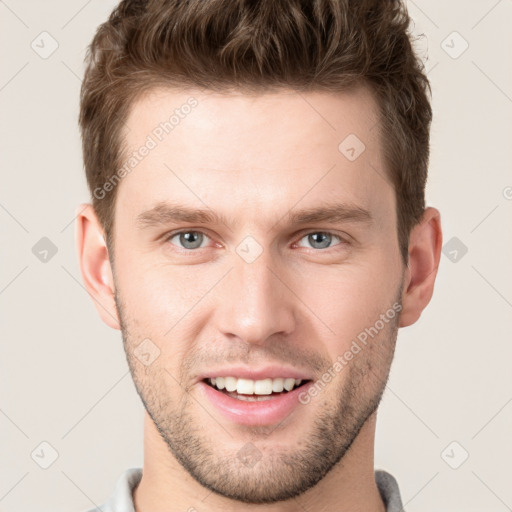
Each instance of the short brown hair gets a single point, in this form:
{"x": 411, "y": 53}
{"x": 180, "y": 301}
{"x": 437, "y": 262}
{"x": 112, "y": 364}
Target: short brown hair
{"x": 258, "y": 46}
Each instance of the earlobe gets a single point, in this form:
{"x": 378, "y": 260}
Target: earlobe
{"x": 425, "y": 244}
{"x": 95, "y": 264}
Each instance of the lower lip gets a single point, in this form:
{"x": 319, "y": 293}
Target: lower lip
{"x": 265, "y": 412}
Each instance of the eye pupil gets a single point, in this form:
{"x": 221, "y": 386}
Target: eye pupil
{"x": 326, "y": 239}
{"x": 190, "y": 237}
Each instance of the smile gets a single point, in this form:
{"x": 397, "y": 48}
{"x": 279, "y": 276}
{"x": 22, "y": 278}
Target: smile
{"x": 253, "y": 402}
{"x": 261, "y": 387}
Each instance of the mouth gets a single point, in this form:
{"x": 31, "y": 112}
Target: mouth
{"x": 250, "y": 390}
{"x": 265, "y": 401}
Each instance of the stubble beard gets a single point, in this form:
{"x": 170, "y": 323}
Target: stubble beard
{"x": 279, "y": 473}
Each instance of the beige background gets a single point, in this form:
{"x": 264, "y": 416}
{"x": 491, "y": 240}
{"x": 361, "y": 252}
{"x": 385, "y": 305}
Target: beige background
{"x": 63, "y": 373}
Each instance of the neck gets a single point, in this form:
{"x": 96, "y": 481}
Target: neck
{"x": 166, "y": 487}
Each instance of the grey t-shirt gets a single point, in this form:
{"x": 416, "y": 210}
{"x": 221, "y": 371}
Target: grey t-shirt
{"x": 121, "y": 499}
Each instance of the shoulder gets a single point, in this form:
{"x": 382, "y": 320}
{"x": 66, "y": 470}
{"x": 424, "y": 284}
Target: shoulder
{"x": 389, "y": 490}
{"x": 121, "y": 498}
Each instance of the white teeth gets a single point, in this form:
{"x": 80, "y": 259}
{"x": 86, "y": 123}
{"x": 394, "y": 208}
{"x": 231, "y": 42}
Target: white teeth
{"x": 245, "y": 387}
{"x": 230, "y": 383}
{"x": 277, "y": 385}
{"x": 263, "y": 387}
{"x": 254, "y": 387}
{"x": 289, "y": 384}
{"x": 219, "y": 382}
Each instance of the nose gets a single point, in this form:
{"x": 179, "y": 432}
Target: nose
{"x": 254, "y": 302}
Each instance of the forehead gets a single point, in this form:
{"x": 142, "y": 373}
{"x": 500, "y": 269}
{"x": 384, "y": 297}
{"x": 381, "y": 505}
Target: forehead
{"x": 259, "y": 151}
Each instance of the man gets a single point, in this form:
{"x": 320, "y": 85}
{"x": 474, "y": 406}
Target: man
{"x": 258, "y": 232}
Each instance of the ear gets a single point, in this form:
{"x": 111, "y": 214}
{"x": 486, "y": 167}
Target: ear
{"x": 425, "y": 242}
{"x": 95, "y": 264}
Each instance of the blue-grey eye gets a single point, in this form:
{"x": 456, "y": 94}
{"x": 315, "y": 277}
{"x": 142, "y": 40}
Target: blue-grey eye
{"x": 320, "y": 239}
{"x": 189, "y": 239}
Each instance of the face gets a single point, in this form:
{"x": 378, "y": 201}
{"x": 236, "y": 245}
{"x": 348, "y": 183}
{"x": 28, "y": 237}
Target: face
{"x": 255, "y": 242}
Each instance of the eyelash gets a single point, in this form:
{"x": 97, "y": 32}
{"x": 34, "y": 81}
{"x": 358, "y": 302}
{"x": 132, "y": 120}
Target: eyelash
{"x": 169, "y": 236}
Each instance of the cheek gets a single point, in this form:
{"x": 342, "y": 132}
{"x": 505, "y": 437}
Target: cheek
{"x": 155, "y": 321}
{"x": 350, "y": 299}
{"x": 160, "y": 301}
{"x": 146, "y": 285}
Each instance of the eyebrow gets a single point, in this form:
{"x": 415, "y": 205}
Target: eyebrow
{"x": 165, "y": 213}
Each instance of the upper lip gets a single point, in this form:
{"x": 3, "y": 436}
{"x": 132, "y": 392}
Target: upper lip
{"x": 266, "y": 372}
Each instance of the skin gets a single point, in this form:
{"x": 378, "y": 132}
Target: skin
{"x": 254, "y": 159}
